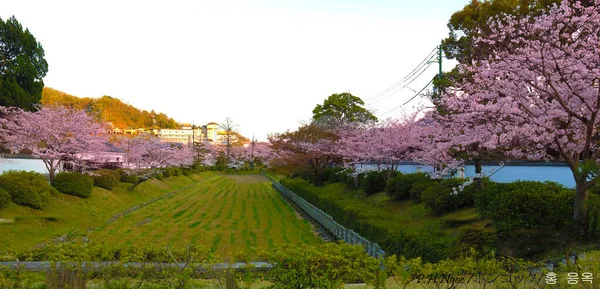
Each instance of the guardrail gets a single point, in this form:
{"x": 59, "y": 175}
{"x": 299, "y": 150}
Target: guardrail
{"x": 339, "y": 231}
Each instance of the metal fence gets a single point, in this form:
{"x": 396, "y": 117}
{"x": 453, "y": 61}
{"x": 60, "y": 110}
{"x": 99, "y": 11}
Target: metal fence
{"x": 339, "y": 231}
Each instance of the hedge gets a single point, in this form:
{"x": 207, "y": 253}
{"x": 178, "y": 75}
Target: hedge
{"x": 73, "y": 183}
{"x": 445, "y": 196}
{"x": 27, "y": 188}
{"x": 526, "y": 204}
{"x": 376, "y": 225}
{"x": 107, "y": 179}
{"x": 400, "y": 187}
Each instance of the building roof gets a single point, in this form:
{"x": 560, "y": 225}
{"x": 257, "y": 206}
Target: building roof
{"x": 108, "y": 147}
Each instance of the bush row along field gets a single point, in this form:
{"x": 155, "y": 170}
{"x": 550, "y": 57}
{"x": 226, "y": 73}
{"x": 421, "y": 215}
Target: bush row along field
{"x": 71, "y": 215}
{"x": 228, "y": 214}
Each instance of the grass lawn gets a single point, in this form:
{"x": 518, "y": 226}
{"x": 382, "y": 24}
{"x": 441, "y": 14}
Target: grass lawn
{"x": 73, "y": 216}
{"x": 228, "y": 214}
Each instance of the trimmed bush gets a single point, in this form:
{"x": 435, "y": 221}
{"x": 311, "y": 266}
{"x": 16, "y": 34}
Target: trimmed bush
{"x": 158, "y": 176}
{"x": 27, "y": 188}
{"x": 418, "y": 188}
{"x": 526, "y": 205}
{"x": 186, "y": 172}
{"x": 441, "y": 197}
{"x": 400, "y": 186}
{"x": 372, "y": 182}
{"x": 167, "y": 172}
{"x": 130, "y": 178}
{"x": 176, "y": 172}
{"x": 74, "y": 184}
{"x": 4, "y": 198}
{"x": 107, "y": 179}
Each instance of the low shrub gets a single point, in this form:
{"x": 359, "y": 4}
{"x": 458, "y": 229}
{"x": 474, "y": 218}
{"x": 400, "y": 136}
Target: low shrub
{"x": 158, "y": 176}
{"x": 27, "y": 188}
{"x": 73, "y": 183}
{"x": 445, "y": 196}
{"x": 186, "y": 172}
{"x": 130, "y": 178}
{"x": 4, "y": 198}
{"x": 372, "y": 182}
{"x": 107, "y": 179}
{"x": 526, "y": 205}
{"x": 166, "y": 172}
{"x": 176, "y": 172}
{"x": 418, "y": 188}
{"x": 400, "y": 186}
{"x": 324, "y": 266}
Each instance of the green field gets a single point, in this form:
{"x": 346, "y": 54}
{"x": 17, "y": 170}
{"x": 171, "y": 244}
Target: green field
{"x": 228, "y": 214}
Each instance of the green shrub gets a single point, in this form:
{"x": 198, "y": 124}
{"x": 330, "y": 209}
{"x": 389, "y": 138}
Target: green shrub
{"x": 527, "y": 205}
{"x": 324, "y": 266}
{"x": 107, "y": 179}
{"x": 4, "y": 198}
{"x": 372, "y": 182}
{"x": 418, "y": 188}
{"x": 166, "y": 172}
{"x": 72, "y": 183}
{"x": 130, "y": 177}
{"x": 158, "y": 176}
{"x": 400, "y": 186}
{"x": 27, "y": 188}
{"x": 186, "y": 172}
{"x": 445, "y": 196}
{"x": 176, "y": 172}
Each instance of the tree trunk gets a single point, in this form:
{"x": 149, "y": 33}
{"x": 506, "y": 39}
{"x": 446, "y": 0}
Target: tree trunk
{"x": 580, "y": 216}
{"x": 478, "y": 180}
{"x": 51, "y": 173}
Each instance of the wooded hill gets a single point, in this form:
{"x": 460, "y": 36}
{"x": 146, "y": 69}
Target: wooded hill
{"x": 109, "y": 109}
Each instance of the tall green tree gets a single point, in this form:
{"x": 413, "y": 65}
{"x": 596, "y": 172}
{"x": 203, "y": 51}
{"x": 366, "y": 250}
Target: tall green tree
{"x": 342, "y": 108}
{"x": 22, "y": 66}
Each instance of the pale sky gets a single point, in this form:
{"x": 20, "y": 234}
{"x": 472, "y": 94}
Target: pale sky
{"x": 264, "y": 63}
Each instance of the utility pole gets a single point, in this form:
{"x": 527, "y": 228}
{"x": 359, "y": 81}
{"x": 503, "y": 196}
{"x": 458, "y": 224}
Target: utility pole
{"x": 440, "y": 61}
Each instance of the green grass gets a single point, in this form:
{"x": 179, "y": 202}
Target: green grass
{"x": 228, "y": 214}
{"x": 67, "y": 213}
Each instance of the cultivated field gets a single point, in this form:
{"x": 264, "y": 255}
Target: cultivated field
{"x": 228, "y": 214}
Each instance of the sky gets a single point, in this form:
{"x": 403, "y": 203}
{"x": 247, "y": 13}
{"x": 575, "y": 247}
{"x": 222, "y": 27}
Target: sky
{"x": 264, "y": 63}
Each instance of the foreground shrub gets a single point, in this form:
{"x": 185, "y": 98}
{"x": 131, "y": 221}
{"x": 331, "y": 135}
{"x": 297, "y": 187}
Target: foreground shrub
{"x": 326, "y": 266}
{"x": 27, "y": 188}
{"x": 107, "y": 179}
{"x": 399, "y": 187}
{"x": 158, "y": 176}
{"x": 4, "y": 198}
{"x": 444, "y": 197}
{"x": 526, "y": 204}
{"x": 73, "y": 183}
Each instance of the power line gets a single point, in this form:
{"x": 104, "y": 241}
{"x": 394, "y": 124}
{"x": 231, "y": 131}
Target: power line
{"x": 406, "y": 85}
{"x": 425, "y": 61}
{"x": 417, "y": 94}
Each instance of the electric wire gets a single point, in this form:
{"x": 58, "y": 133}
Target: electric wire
{"x": 425, "y": 61}
{"x": 417, "y": 94}
{"x": 403, "y": 87}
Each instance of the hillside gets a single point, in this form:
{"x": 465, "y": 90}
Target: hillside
{"x": 109, "y": 109}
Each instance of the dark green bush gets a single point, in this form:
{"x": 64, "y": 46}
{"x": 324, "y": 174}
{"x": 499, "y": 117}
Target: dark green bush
{"x": 442, "y": 198}
{"x": 176, "y": 172}
{"x": 130, "y": 177}
{"x": 4, "y": 198}
{"x": 27, "y": 188}
{"x": 332, "y": 174}
{"x": 372, "y": 182}
{"x": 73, "y": 183}
{"x": 400, "y": 186}
{"x": 418, "y": 188}
{"x": 526, "y": 204}
{"x": 166, "y": 172}
{"x": 158, "y": 176}
{"x": 107, "y": 179}
{"x": 186, "y": 172}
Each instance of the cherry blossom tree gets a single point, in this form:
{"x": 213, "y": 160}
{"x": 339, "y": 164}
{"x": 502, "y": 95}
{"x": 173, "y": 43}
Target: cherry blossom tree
{"x": 310, "y": 146}
{"x": 54, "y": 134}
{"x": 541, "y": 95}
